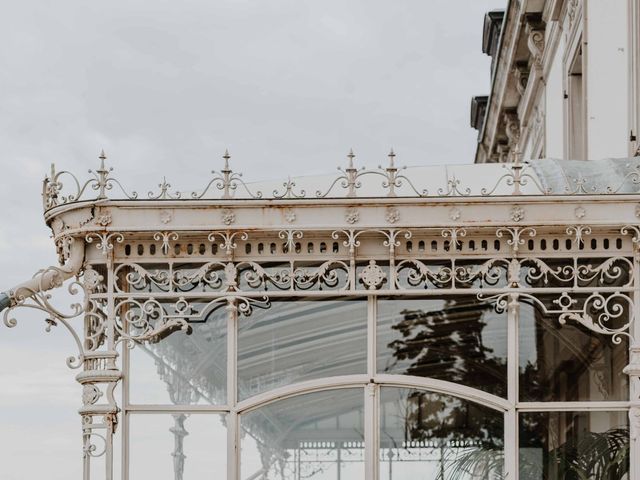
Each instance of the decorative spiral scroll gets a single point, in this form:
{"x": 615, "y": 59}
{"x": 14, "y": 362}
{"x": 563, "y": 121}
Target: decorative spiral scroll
{"x": 330, "y": 275}
{"x": 597, "y": 312}
{"x": 39, "y": 299}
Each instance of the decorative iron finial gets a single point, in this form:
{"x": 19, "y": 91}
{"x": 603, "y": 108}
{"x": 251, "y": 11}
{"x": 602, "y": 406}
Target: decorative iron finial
{"x": 392, "y": 157}
{"x": 227, "y": 184}
{"x": 392, "y": 175}
{"x": 226, "y": 157}
{"x": 102, "y": 175}
{"x": 351, "y": 156}
{"x": 351, "y": 175}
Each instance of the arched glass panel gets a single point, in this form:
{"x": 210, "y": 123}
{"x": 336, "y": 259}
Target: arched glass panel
{"x": 458, "y": 339}
{"x": 434, "y": 436}
{"x": 568, "y": 445}
{"x": 568, "y": 362}
{"x": 293, "y": 341}
{"x": 317, "y": 436}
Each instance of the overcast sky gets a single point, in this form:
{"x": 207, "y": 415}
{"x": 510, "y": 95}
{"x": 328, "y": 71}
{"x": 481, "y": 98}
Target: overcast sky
{"x": 164, "y": 87}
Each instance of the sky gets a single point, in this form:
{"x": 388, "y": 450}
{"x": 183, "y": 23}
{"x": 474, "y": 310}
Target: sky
{"x": 288, "y": 86}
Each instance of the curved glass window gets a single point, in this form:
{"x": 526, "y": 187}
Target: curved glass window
{"x": 458, "y": 339}
{"x": 318, "y": 436}
{"x": 435, "y": 436}
{"x": 293, "y": 341}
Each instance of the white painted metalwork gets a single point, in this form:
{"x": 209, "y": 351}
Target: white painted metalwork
{"x": 154, "y": 270}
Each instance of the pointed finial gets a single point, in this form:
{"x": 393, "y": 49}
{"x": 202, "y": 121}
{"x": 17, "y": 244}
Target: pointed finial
{"x": 226, "y": 157}
{"x": 102, "y": 158}
{"x": 351, "y": 156}
{"x": 392, "y": 157}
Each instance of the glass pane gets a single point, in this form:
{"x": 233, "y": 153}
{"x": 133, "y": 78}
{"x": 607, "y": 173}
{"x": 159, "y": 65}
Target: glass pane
{"x": 574, "y": 445}
{"x": 317, "y": 435}
{"x": 568, "y": 362}
{"x": 170, "y": 446}
{"x": 183, "y": 369}
{"x": 458, "y": 339}
{"x": 433, "y": 436}
{"x": 298, "y": 340}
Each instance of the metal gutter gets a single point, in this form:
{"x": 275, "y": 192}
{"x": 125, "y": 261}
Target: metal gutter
{"x": 52, "y": 277}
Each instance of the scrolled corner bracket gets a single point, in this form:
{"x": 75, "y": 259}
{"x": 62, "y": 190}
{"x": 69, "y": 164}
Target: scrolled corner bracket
{"x": 33, "y": 294}
{"x": 40, "y": 300}
{"x": 595, "y": 313}
{"x": 149, "y": 322}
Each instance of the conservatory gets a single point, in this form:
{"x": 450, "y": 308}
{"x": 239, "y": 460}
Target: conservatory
{"x": 461, "y": 322}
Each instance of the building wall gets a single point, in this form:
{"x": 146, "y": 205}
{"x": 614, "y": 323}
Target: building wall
{"x": 607, "y": 78}
{"x": 581, "y": 98}
{"x": 554, "y": 110}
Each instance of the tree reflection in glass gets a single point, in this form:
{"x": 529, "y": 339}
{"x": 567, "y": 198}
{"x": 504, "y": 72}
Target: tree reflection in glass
{"x": 574, "y": 446}
{"x": 426, "y": 435}
{"x": 459, "y": 339}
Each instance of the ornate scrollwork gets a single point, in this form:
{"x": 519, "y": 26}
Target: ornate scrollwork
{"x": 598, "y": 312}
{"x": 101, "y": 182}
{"x": 134, "y": 276}
{"x": 166, "y": 238}
{"x": 89, "y": 447}
{"x": 455, "y": 234}
{"x": 454, "y": 189}
{"x": 289, "y": 192}
{"x": 227, "y": 181}
{"x": 257, "y": 276}
{"x": 106, "y": 241}
{"x": 290, "y": 237}
{"x": 152, "y": 319}
{"x": 611, "y": 271}
{"x": 228, "y": 239}
{"x": 579, "y": 231}
{"x": 515, "y": 242}
{"x": 373, "y": 276}
{"x": 517, "y": 175}
{"x": 39, "y": 299}
{"x": 149, "y": 320}
{"x": 326, "y": 275}
{"x": 417, "y": 273}
{"x": 165, "y": 192}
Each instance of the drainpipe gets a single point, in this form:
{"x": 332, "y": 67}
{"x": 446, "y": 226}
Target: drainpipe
{"x": 53, "y": 277}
